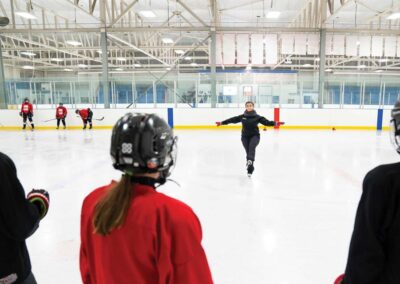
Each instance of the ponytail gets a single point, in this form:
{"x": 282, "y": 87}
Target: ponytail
{"x": 111, "y": 210}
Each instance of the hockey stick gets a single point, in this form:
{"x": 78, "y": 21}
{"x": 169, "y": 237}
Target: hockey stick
{"x": 129, "y": 105}
{"x": 98, "y": 119}
{"x": 49, "y": 120}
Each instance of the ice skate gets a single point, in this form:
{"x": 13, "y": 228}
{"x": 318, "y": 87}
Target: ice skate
{"x": 250, "y": 168}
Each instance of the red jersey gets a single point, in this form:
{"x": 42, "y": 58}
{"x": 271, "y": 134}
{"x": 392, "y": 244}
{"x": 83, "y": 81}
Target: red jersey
{"x": 84, "y": 113}
{"x": 61, "y": 112}
{"x": 26, "y": 108}
{"x": 159, "y": 243}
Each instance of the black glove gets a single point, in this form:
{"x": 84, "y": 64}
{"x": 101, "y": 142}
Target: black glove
{"x": 20, "y": 114}
{"x": 41, "y": 199}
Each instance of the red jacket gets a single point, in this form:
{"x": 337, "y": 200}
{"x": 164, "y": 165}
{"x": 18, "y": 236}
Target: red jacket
{"x": 159, "y": 243}
{"x": 26, "y": 108}
{"x": 61, "y": 112}
{"x": 84, "y": 113}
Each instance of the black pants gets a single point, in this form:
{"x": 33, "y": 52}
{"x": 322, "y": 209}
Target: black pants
{"x": 250, "y": 144}
{"x": 85, "y": 121}
{"x": 27, "y": 116}
{"x": 58, "y": 121}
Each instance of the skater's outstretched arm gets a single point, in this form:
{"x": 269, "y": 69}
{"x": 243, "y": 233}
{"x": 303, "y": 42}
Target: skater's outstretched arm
{"x": 235, "y": 119}
{"x": 266, "y": 122}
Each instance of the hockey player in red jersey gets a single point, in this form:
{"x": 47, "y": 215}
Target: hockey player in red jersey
{"x": 86, "y": 114}
{"x": 130, "y": 233}
{"x": 61, "y": 114}
{"x": 27, "y": 113}
{"x": 374, "y": 254}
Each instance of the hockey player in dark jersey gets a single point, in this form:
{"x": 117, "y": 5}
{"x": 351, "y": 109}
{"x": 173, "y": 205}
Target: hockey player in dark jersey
{"x": 250, "y": 132}
{"x": 19, "y": 219}
{"x": 374, "y": 254}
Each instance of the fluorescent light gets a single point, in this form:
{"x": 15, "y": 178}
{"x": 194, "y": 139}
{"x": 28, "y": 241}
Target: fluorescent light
{"x": 288, "y": 61}
{"x": 121, "y": 58}
{"x": 28, "y": 67}
{"x": 26, "y": 15}
{"x": 248, "y": 67}
{"x": 273, "y": 15}
{"x": 28, "y": 53}
{"x": 382, "y": 60}
{"x": 167, "y": 40}
{"x": 179, "y": 51}
{"x": 379, "y": 71}
{"x": 68, "y": 69}
{"x": 194, "y": 64}
{"x": 317, "y": 59}
{"x": 99, "y": 51}
{"x": 147, "y": 14}
{"x": 56, "y": 59}
{"x": 394, "y": 16}
{"x": 82, "y": 65}
{"x": 307, "y": 65}
{"x": 168, "y": 68}
{"x": 119, "y": 69}
{"x": 328, "y": 70}
{"x": 137, "y": 65}
{"x": 73, "y": 42}
{"x": 361, "y": 66}
{"x": 188, "y": 58}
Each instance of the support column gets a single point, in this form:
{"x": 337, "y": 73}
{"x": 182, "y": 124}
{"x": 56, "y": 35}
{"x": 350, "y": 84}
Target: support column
{"x": 3, "y": 92}
{"x": 322, "y": 57}
{"x": 104, "y": 77}
{"x": 213, "y": 74}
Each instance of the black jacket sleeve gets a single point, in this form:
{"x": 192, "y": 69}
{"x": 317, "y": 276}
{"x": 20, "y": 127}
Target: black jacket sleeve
{"x": 366, "y": 260}
{"x": 235, "y": 119}
{"x": 266, "y": 122}
{"x": 19, "y": 219}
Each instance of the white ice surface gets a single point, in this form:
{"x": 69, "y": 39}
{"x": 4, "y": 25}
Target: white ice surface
{"x": 290, "y": 223}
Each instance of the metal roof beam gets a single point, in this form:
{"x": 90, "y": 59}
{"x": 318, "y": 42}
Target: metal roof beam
{"x": 127, "y": 9}
{"x": 191, "y": 12}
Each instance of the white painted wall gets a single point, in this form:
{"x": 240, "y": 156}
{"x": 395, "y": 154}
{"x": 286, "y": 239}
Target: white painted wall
{"x": 208, "y": 116}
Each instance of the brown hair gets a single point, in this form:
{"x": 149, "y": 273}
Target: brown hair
{"x": 249, "y": 102}
{"x": 111, "y": 210}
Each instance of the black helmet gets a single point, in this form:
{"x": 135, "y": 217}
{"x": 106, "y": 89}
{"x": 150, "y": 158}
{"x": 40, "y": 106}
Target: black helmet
{"x": 26, "y": 100}
{"x": 77, "y": 111}
{"x": 143, "y": 143}
{"x": 61, "y": 104}
{"x": 395, "y": 126}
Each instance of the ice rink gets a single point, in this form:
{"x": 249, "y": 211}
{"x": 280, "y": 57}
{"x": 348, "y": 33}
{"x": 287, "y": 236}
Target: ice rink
{"x": 290, "y": 223}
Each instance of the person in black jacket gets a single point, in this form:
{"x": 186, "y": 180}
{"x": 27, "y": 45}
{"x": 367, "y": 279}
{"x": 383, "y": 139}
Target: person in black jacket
{"x": 19, "y": 219}
{"x": 250, "y": 132}
{"x": 374, "y": 254}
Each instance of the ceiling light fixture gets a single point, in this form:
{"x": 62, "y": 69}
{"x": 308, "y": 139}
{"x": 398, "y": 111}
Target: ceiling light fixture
{"x": 73, "y": 42}
{"x": 167, "y": 40}
{"x": 273, "y": 15}
{"x": 394, "y": 16}
{"x": 26, "y": 15}
{"x": 28, "y": 53}
{"x": 28, "y": 67}
{"x": 147, "y": 14}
